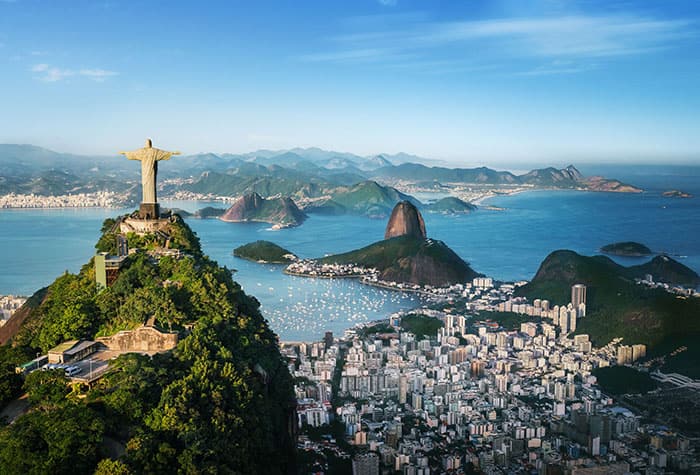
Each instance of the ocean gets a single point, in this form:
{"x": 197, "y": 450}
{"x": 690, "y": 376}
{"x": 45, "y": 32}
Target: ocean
{"x": 39, "y": 245}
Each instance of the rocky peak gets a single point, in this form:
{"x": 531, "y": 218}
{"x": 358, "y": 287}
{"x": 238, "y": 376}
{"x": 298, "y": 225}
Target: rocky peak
{"x": 405, "y": 220}
{"x": 573, "y": 173}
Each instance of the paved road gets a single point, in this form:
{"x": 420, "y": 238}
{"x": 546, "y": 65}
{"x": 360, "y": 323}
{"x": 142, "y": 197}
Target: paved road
{"x": 15, "y": 409}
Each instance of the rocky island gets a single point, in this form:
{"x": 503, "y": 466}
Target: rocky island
{"x": 599, "y": 183}
{"x": 280, "y": 212}
{"x": 265, "y": 252}
{"x": 676, "y": 194}
{"x": 626, "y": 249}
{"x": 209, "y": 212}
{"x": 450, "y": 205}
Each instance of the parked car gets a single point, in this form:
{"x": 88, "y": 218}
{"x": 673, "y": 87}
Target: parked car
{"x": 72, "y": 370}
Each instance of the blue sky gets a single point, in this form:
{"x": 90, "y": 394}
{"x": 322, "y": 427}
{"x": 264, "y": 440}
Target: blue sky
{"x": 475, "y": 82}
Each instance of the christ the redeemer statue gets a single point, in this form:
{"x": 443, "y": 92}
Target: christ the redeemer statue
{"x": 149, "y": 158}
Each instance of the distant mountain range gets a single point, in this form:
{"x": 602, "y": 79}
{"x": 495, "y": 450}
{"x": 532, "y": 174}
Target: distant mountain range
{"x": 322, "y": 179}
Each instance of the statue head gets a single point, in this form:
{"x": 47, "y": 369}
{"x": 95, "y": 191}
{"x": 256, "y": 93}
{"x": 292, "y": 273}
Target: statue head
{"x": 149, "y": 144}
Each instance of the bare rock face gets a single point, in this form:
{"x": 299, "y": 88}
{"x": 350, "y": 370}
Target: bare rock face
{"x": 405, "y": 220}
{"x": 242, "y": 208}
{"x": 253, "y": 207}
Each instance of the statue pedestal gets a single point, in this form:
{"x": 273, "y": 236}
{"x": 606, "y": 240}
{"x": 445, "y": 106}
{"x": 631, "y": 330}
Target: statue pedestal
{"x": 148, "y": 221}
{"x": 149, "y": 211}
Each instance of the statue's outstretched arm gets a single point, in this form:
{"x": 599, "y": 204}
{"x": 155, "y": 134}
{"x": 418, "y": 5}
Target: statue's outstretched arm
{"x": 166, "y": 155}
{"x": 130, "y": 155}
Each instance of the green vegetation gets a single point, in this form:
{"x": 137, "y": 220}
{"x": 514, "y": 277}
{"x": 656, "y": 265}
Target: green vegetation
{"x": 264, "y": 251}
{"x": 376, "y": 328}
{"x": 209, "y": 212}
{"x": 421, "y": 326}
{"x": 508, "y": 320}
{"x": 181, "y": 237}
{"x": 219, "y": 402}
{"x": 616, "y": 380}
{"x": 10, "y": 382}
{"x": 680, "y": 353}
{"x": 627, "y": 248}
{"x": 369, "y": 198}
{"x": 450, "y": 205}
{"x": 408, "y": 259}
{"x": 617, "y": 307}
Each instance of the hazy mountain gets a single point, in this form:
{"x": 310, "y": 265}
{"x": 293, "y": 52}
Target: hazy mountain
{"x": 419, "y": 172}
{"x": 299, "y": 172}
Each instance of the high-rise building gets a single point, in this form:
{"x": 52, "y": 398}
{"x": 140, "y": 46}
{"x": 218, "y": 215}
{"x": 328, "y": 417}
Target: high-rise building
{"x": 578, "y": 295}
{"x": 365, "y": 464}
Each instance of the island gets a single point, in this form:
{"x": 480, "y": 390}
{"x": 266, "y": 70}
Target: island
{"x": 599, "y": 183}
{"x": 450, "y": 205}
{"x": 280, "y": 212}
{"x": 676, "y": 194}
{"x": 209, "y": 212}
{"x": 626, "y": 249}
{"x": 265, "y": 252}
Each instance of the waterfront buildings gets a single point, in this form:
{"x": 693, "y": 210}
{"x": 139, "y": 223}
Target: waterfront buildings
{"x": 476, "y": 395}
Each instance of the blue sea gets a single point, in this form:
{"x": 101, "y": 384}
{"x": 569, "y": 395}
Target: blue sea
{"x": 38, "y": 245}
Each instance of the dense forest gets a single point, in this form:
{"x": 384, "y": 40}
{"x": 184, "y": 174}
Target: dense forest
{"x": 220, "y": 402}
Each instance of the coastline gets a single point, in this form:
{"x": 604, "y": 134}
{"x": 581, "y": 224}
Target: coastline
{"x": 321, "y": 276}
{"x": 275, "y": 226}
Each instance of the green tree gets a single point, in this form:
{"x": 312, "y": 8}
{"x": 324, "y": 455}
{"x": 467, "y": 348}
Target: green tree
{"x": 47, "y": 388}
{"x": 63, "y": 440}
{"x": 112, "y": 467}
{"x": 10, "y": 381}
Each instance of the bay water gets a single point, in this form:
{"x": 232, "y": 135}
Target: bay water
{"x": 38, "y": 245}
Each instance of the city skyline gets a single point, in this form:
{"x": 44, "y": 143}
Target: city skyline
{"x": 476, "y": 83}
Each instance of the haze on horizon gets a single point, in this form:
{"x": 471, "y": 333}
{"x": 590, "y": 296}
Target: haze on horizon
{"x": 475, "y": 82}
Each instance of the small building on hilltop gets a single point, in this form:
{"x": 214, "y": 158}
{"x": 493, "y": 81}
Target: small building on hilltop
{"x": 72, "y": 350}
{"x": 107, "y": 269}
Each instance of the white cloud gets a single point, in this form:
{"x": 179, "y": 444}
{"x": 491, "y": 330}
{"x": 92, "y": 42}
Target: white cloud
{"x": 353, "y": 55}
{"x": 388, "y": 3}
{"x": 98, "y": 75}
{"x": 580, "y": 35}
{"x": 48, "y": 73}
{"x": 577, "y": 37}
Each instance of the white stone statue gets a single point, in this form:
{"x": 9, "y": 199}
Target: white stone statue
{"x": 149, "y": 158}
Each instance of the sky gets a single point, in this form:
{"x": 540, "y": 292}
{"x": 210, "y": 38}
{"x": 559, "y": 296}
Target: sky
{"x": 471, "y": 82}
